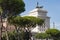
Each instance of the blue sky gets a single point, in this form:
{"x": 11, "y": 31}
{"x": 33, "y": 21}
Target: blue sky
{"x": 52, "y": 6}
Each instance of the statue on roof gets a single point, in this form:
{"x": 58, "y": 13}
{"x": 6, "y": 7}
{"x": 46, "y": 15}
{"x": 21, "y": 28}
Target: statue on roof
{"x": 38, "y": 6}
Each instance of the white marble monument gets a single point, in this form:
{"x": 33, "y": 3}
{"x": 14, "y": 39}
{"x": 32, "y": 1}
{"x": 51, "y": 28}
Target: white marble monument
{"x": 40, "y": 13}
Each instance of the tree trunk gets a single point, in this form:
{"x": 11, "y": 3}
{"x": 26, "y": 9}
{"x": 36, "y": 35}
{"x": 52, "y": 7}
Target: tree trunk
{"x": 16, "y": 28}
{"x": 1, "y": 27}
{"x": 7, "y": 35}
{"x": 6, "y": 29}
